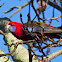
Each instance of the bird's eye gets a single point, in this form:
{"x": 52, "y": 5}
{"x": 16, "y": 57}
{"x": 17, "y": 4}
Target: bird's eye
{"x": 13, "y": 23}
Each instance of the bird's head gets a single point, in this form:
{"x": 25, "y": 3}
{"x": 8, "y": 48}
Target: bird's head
{"x": 14, "y": 26}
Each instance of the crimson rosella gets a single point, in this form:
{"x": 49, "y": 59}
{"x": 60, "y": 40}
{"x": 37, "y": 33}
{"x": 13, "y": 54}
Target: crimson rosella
{"x": 17, "y": 29}
{"x": 49, "y": 31}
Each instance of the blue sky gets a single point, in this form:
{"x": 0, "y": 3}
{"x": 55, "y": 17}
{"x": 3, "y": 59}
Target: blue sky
{"x": 24, "y": 12}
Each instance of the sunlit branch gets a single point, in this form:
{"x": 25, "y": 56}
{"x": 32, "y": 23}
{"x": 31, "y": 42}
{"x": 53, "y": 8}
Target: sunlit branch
{"x": 51, "y": 18}
{"x": 19, "y": 8}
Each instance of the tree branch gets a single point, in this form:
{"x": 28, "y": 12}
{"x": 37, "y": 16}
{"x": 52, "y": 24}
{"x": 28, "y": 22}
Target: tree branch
{"x": 4, "y": 58}
{"x": 51, "y": 56}
{"x": 19, "y": 8}
{"x": 55, "y": 6}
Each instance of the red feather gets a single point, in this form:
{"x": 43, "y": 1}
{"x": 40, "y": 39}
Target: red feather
{"x": 19, "y": 29}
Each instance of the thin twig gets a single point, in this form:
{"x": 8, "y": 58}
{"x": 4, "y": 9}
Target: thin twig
{"x": 15, "y": 47}
{"x": 1, "y": 32}
{"x": 2, "y": 5}
{"x": 35, "y": 11}
{"x": 50, "y": 18}
{"x": 19, "y": 8}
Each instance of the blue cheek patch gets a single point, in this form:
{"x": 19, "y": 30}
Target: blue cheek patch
{"x": 12, "y": 28}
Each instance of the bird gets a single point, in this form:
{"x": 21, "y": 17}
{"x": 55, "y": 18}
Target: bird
{"x": 49, "y": 31}
{"x": 34, "y": 27}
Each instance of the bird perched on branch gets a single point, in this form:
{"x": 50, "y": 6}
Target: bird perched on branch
{"x": 35, "y": 27}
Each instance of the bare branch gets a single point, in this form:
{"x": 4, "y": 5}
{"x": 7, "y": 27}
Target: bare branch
{"x": 55, "y": 6}
{"x": 51, "y": 56}
{"x": 2, "y": 5}
{"x": 51, "y": 18}
{"x": 1, "y": 32}
{"x": 19, "y": 9}
{"x": 11, "y": 9}
{"x": 4, "y": 58}
{"x": 9, "y": 52}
